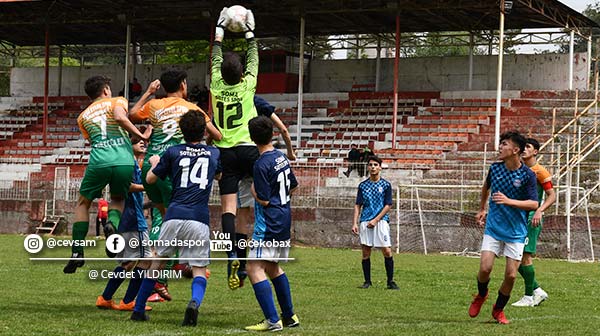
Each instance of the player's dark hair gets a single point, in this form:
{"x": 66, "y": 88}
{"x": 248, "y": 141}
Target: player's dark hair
{"x": 533, "y": 142}
{"x": 134, "y": 138}
{"x": 261, "y": 130}
{"x": 231, "y": 68}
{"x": 171, "y": 80}
{"x": 192, "y": 126}
{"x": 515, "y": 137}
{"x": 375, "y": 158}
{"x": 95, "y": 85}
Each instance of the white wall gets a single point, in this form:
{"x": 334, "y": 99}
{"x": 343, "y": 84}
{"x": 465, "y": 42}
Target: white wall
{"x": 534, "y": 72}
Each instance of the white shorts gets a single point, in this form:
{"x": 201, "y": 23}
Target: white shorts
{"x": 511, "y": 250}
{"x": 129, "y": 253}
{"x": 244, "y": 195}
{"x": 268, "y": 253}
{"x": 378, "y": 236}
{"x": 185, "y": 231}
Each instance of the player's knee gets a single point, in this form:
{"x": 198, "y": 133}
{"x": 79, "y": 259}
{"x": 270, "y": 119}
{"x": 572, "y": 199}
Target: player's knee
{"x": 128, "y": 266}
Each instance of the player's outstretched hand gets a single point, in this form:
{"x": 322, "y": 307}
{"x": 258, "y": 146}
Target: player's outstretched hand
{"x": 250, "y": 24}
{"x": 222, "y": 22}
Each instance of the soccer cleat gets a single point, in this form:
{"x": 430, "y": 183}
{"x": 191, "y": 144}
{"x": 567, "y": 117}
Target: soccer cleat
{"x": 498, "y": 315}
{"x": 233, "y": 279}
{"x": 291, "y": 322}
{"x": 102, "y": 303}
{"x": 127, "y": 306}
{"x": 72, "y": 265}
{"x": 108, "y": 229}
{"x": 476, "y": 305}
{"x": 155, "y": 298}
{"x": 392, "y": 285}
{"x": 365, "y": 285}
{"x": 539, "y": 295}
{"x": 186, "y": 270}
{"x": 191, "y": 314}
{"x": 526, "y": 301}
{"x": 266, "y": 325}
{"x": 162, "y": 291}
{"x": 135, "y": 316}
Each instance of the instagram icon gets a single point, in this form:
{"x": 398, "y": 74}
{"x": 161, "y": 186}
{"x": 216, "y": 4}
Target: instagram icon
{"x": 33, "y": 243}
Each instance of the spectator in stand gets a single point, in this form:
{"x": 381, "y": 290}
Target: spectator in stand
{"x": 364, "y": 160}
{"x": 354, "y": 157}
{"x": 135, "y": 89}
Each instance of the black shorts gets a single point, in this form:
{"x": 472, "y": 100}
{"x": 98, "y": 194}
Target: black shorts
{"x": 236, "y": 163}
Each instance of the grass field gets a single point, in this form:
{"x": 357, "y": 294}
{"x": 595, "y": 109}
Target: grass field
{"x": 435, "y": 291}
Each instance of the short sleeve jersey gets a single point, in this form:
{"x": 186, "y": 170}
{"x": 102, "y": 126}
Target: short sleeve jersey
{"x": 543, "y": 177}
{"x": 164, "y": 115}
{"x": 373, "y": 197}
{"x": 273, "y": 182}
{"x": 233, "y": 105}
{"x": 192, "y": 169}
{"x": 507, "y": 223}
{"x": 110, "y": 143}
{"x": 133, "y": 218}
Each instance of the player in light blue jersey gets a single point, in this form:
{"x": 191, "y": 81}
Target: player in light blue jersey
{"x": 373, "y": 202}
{"x": 191, "y": 167}
{"x": 513, "y": 188}
{"x": 132, "y": 226}
{"x": 273, "y": 185}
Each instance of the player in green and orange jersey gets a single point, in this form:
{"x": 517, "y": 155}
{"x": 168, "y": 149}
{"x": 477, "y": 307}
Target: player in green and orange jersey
{"x": 232, "y": 91}
{"x": 164, "y": 115}
{"x": 534, "y": 294}
{"x": 104, "y": 124}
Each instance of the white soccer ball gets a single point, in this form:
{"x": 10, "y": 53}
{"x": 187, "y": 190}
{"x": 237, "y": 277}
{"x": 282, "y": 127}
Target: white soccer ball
{"x": 237, "y": 18}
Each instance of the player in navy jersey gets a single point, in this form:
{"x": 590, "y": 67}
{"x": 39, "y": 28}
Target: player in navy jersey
{"x": 191, "y": 167}
{"x": 272, "y": 189}
{"x": 373, "y": 202}
{"x": 243, "y": 225}
{"x": 514, "y": 192}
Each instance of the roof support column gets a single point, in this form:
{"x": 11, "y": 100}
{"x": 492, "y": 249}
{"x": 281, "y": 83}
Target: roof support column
{"x": 396, "y": 68}
{"x": 499, "y": 78}
{"x": 46, "y": 78}
{"x": 589, "y": 60}
{"x": 378, "y": 65}
{"x": 60, "y": 69}
{"x": 571, "y": 54}
{"x": 300, "y": 82}
{"x": 127, "y": 57}
{"x": 471, "y": 42}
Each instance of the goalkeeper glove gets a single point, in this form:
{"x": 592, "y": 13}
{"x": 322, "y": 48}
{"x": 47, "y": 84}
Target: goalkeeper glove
{"x": 221, "y": 23}
{"x": 249, "y": 30}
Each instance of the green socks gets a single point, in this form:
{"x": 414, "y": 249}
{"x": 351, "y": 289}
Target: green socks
{"x": 80, "y": 230}
{"x": 528, "y": 273}
{"x": 114, "y": 216}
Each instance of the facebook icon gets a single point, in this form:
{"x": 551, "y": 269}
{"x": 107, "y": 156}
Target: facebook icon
{"x": 115, "y": 244}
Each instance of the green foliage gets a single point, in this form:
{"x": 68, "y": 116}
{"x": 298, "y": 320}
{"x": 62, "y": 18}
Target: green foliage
{"x": 39, "y": 62}
{"x": 433, "y": 299}
{"x": 182, "y": 52}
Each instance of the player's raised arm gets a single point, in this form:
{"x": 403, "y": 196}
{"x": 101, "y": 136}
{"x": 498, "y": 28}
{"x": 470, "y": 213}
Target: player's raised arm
{"x": 134, "y": 114}
{"x": 252, "y": 52}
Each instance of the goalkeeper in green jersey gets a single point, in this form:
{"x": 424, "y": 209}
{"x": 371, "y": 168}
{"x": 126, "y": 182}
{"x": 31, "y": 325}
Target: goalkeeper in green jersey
{"x": 232, "y": 90}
